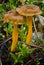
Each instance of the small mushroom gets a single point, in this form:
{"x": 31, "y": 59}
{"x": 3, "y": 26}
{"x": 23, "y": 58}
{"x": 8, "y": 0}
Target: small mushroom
{"x": 22, "y": 1}
{"x": 29, "y": 11}
{"x": 13, "y": 17}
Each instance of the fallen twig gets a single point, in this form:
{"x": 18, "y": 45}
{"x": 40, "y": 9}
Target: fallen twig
{"x": 32, "y": 61}
{"x": 35, "y": 28}
{"x": 5, "y": 41}
{"x": 32, "y": 45}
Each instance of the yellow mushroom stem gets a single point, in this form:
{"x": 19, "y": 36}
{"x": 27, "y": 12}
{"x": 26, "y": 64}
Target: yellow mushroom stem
{"x": 7, "y": 34}
{"x": 29, "y": 35}
{"x": 14, "y": 38}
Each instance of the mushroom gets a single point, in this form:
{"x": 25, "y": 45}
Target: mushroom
{"x": 13, "y": 17}
{"x": 22, "y": 1}
{"x": 29, "y": 11}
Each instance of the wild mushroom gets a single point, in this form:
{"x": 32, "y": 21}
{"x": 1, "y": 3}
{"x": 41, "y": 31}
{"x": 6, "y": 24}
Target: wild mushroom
{"x": 29, "y": 11}
{"x": 16, "y": 19}
{"x": 22, "y": 1}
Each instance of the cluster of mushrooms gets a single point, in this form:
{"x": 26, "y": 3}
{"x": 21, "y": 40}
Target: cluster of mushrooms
{"x": 18, "y": 17}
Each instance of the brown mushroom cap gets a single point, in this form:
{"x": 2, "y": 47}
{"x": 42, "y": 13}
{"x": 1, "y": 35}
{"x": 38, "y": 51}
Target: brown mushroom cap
{"x": 14, "y": 17}
{"x": 29, "y": 10}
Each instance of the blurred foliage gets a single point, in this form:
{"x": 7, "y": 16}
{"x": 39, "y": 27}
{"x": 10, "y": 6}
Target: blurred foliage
{"x": 22, "y": 33}
{"x": 2, "y": 10}
{"x": 29, "y": 1}
{"x": 10, "y": 4}
{"x": 19, "y": 56}
{"x": 22, "y": 52}
{"x": 8, "y": 27}
{"x": 37, "y": 63}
